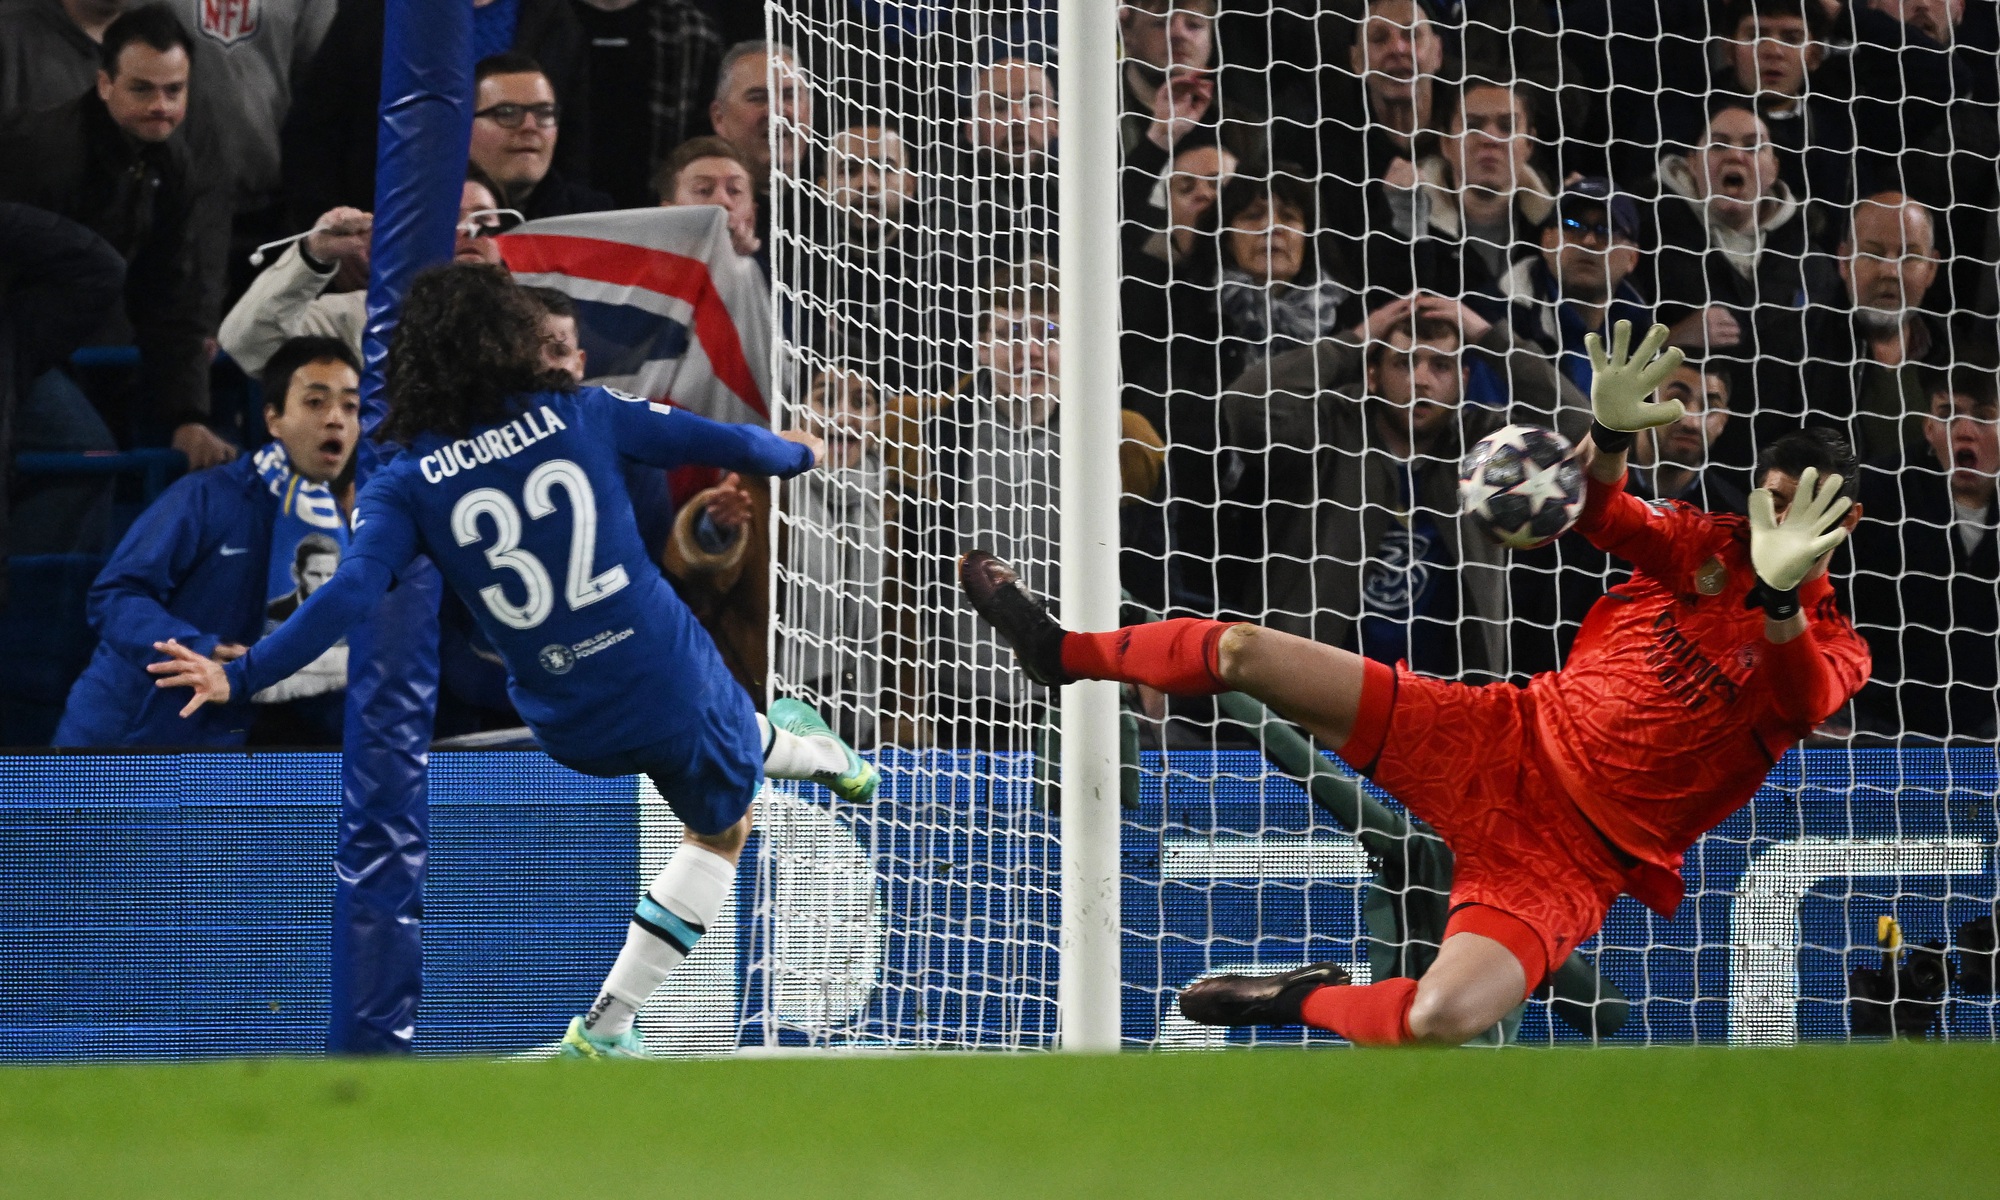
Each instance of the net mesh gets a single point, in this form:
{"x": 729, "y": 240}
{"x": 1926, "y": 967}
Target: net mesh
{"x": 1355, "y": 238}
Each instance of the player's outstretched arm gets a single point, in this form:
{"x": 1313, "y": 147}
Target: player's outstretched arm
{"x": 1786, "y": 552}
{"x": 664, "y": 436}
{"x": 326, "y": 616}
{"x": 1622, "y": 384}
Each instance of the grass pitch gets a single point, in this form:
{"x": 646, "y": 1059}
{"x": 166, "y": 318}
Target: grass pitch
{"x": 1834, "y": 1121}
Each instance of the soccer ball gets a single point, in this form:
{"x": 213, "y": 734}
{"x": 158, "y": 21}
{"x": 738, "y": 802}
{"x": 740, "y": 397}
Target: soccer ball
{"x": 1522, "y": 486}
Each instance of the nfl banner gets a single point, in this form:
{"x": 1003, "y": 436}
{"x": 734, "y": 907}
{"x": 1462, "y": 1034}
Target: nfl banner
{"x": 665, "y": 307}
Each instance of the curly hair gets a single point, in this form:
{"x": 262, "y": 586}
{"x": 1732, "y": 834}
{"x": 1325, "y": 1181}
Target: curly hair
{"x": 467, "y": 348}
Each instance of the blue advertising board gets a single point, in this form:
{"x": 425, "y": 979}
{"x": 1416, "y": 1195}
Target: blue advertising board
{"x": 177, "y": 906}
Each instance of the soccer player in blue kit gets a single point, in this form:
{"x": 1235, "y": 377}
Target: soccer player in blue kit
{"x": 511, "y": 482}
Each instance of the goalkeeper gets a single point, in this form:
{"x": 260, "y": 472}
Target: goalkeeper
{"x": 1685, "y": 686}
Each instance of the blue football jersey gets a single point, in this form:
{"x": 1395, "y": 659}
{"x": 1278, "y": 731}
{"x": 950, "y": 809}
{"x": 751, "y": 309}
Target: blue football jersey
{"x": 530, "y": 522}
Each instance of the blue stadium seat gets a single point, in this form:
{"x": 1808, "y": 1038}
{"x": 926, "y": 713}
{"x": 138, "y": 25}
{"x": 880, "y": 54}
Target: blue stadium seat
{"x": 45, "y": 642}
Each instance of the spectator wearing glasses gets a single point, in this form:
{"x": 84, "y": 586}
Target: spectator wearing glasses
{"x": 329, "y": 136}
{"x": 1931, "y": 549}
{"x": 1581, "y": 282}
{"x": 292, "y": 297}
{"x": 515, "y": 130}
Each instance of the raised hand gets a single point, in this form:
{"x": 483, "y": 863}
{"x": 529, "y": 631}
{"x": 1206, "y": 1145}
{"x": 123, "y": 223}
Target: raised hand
{"x": 1622, "y": 383}
{"x": 184, "y": 668}
{"x": 1784, "y": 551}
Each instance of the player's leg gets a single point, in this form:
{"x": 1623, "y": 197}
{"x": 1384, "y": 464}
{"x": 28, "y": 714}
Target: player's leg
{"x": 1317, "y": 686}
{"x": 679, "y": 905}
{"x": 798, "y": 744}
{"x": 1474, "y": 982}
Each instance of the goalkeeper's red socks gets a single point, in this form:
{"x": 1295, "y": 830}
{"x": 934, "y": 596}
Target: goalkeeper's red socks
{"x": 1177, "y": 657}
{"x": 1375, "y": 1015}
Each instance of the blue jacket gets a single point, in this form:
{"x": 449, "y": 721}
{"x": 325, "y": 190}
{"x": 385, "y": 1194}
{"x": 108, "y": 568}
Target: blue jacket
{"x": 194, "y": 567}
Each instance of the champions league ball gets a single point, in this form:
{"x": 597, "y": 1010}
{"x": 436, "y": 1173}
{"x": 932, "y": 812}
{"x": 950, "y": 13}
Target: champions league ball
{"x": 1521, "y": 485}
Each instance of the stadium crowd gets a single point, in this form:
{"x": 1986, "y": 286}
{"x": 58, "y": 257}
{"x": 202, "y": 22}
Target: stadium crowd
{"x": 1356, "y": 237}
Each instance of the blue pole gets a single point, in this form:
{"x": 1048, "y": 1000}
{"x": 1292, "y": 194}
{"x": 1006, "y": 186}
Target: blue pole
{"x": 377, "y": 947}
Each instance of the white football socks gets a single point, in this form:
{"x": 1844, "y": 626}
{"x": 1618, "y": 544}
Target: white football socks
{"x": 683, "y": 901}
{"x": 789, "y": 756}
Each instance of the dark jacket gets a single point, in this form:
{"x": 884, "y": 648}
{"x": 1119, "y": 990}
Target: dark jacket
{"x": 1836, "y": 383}
{"x": 329, "y": 137}
{"x": 194, "y": 567}
{"x": 558, "y": 196}
{"x": 1929, "y": 608}
{"x": 149, "y": 202}
{"x": 58, "y": 281}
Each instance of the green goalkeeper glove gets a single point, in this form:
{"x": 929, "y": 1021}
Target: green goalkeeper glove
{"x": 1622, "y": 386}
{"x": 1784, "y": 553}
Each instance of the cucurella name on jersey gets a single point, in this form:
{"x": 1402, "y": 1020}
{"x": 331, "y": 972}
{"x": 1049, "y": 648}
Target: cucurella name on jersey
{"x": 502, "y": 441}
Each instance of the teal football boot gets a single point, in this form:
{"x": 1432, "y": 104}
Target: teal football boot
{"x": 856, "y": 784}
{"x": 578, "y": 1042}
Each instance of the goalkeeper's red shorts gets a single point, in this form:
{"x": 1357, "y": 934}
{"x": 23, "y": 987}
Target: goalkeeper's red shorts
{"x": 1528, "y": 869}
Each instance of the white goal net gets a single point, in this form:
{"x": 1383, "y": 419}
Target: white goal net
{"x": 1356, "y": 237}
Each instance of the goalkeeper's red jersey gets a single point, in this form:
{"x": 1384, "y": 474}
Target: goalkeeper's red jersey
{"x": 1673, "y": 707}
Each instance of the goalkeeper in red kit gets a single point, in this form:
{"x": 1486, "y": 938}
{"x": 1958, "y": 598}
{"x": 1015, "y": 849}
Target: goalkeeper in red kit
{"x": 1686, "y": 684}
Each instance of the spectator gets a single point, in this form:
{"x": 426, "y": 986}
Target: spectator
{"x": 1676, "y": 461}
{"x": 1394, "y": 61}
{"x": 1002, "y": 202}
{"x": 1908, "y": 86}
{"x": 1277, "y": 294}
{"x": 1179, "y": 122}
{"x": 1176, "y": 88}
{"x": 1771, "y": 54}
{"x": 1350, "y": 453}
{"x": 290, "y": 299}
{"x": 757, "y": 82}
{"x": 839, "y": 542}
{"x": 1171, "y": 263}
{"x": 58, "y": 281}
{"x": 246, "y": 56}
{"x": 1581, "y": 282}
{"x": 992, "y": 453}
{"x": 206, "y": 561}
{"x": 712, "y": 171}
{"x": 1927, "y": 571}
{"x": 1925, "y": 88}
{"x": 329, "y": 135}
{"x": 1868, "y": 360}
{"x": 880, "y": 292}
{"x": 515, "y": 130}
{"x": 112, "y": 160}
{"x": 49, "y": 52}
{"x": 652, "y": 64}
{"x": 1480, "y": 203}
{"x": 1731, "y": 267}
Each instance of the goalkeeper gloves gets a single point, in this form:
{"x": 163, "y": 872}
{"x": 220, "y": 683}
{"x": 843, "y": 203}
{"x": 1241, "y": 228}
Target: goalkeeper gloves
{"x": 1784, "y": 553}
{"x": 1622, "y": 386}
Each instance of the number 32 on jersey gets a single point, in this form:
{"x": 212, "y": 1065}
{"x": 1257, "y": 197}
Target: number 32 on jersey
{"x": 580, "y": 586}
